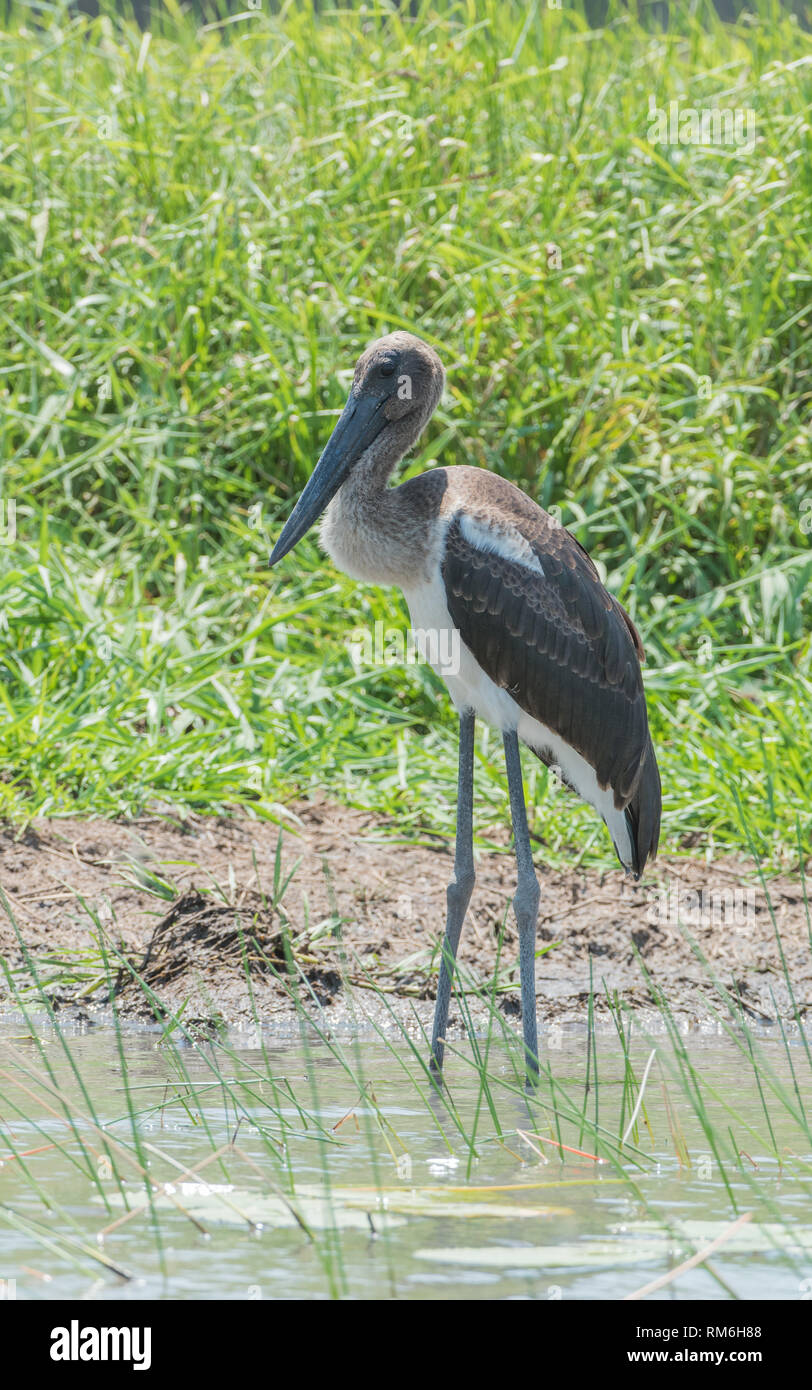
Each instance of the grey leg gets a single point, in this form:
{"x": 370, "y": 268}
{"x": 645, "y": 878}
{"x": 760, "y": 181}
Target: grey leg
{"x": 459, "y": 889}
{"x": 525, "y": 904}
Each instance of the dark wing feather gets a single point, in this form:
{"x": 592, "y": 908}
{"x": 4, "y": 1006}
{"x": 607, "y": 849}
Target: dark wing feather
{"x": 561, "y": 645}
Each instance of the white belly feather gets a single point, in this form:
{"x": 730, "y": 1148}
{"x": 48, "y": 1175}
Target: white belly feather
{"x": 470, "y": 688}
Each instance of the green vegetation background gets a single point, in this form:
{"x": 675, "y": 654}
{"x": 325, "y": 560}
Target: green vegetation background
{"x": 201, "y": 228}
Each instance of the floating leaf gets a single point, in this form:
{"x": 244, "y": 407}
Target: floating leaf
{"x": 590, "y": 1254}
{"x": 750, "y": 1240}
{"x": 631, "y": 1244}
{"x": 223, "y": 1204}
{"x": 345, "y": 1207}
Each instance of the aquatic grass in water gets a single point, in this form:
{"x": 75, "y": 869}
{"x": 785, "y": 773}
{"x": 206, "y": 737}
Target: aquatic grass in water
{"x": 322, "y": 1144}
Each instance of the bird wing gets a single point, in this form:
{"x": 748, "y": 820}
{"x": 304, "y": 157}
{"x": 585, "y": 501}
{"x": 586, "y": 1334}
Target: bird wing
{"x": 528, "y": 603}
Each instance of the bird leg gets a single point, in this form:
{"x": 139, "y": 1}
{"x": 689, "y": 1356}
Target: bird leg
{"x": 458, "y": 893}
{"x": 525, "y": 904}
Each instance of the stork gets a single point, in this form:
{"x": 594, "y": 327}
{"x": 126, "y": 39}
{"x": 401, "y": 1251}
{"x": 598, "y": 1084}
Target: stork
{"x": 545, "y": 654}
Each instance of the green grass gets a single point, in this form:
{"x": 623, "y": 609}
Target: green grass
{"x": 198, "y": 234}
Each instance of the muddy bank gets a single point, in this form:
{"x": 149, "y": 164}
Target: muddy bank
{"x": 352, "y": 920}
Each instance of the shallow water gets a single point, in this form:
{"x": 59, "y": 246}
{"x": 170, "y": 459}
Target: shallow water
{"x": 344, "y": 1196}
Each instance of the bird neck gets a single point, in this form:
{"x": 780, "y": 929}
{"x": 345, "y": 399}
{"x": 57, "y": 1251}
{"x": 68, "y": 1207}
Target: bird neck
{"x": 368, "y": 529}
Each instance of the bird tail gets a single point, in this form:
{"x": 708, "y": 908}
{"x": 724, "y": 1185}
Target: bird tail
{"x": 643, "y": 813}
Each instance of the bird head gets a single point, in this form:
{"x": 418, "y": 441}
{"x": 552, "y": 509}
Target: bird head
{"x": 397, "y": 384}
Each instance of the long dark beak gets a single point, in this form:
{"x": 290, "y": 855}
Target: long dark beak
{"x": 361, "y": 420}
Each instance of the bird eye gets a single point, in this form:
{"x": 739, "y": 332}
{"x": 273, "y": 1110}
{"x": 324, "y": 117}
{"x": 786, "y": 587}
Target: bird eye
{"x": 388, "y": 368}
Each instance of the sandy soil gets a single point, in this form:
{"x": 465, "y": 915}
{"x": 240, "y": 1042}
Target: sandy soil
{"x": 361, "y": 909}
